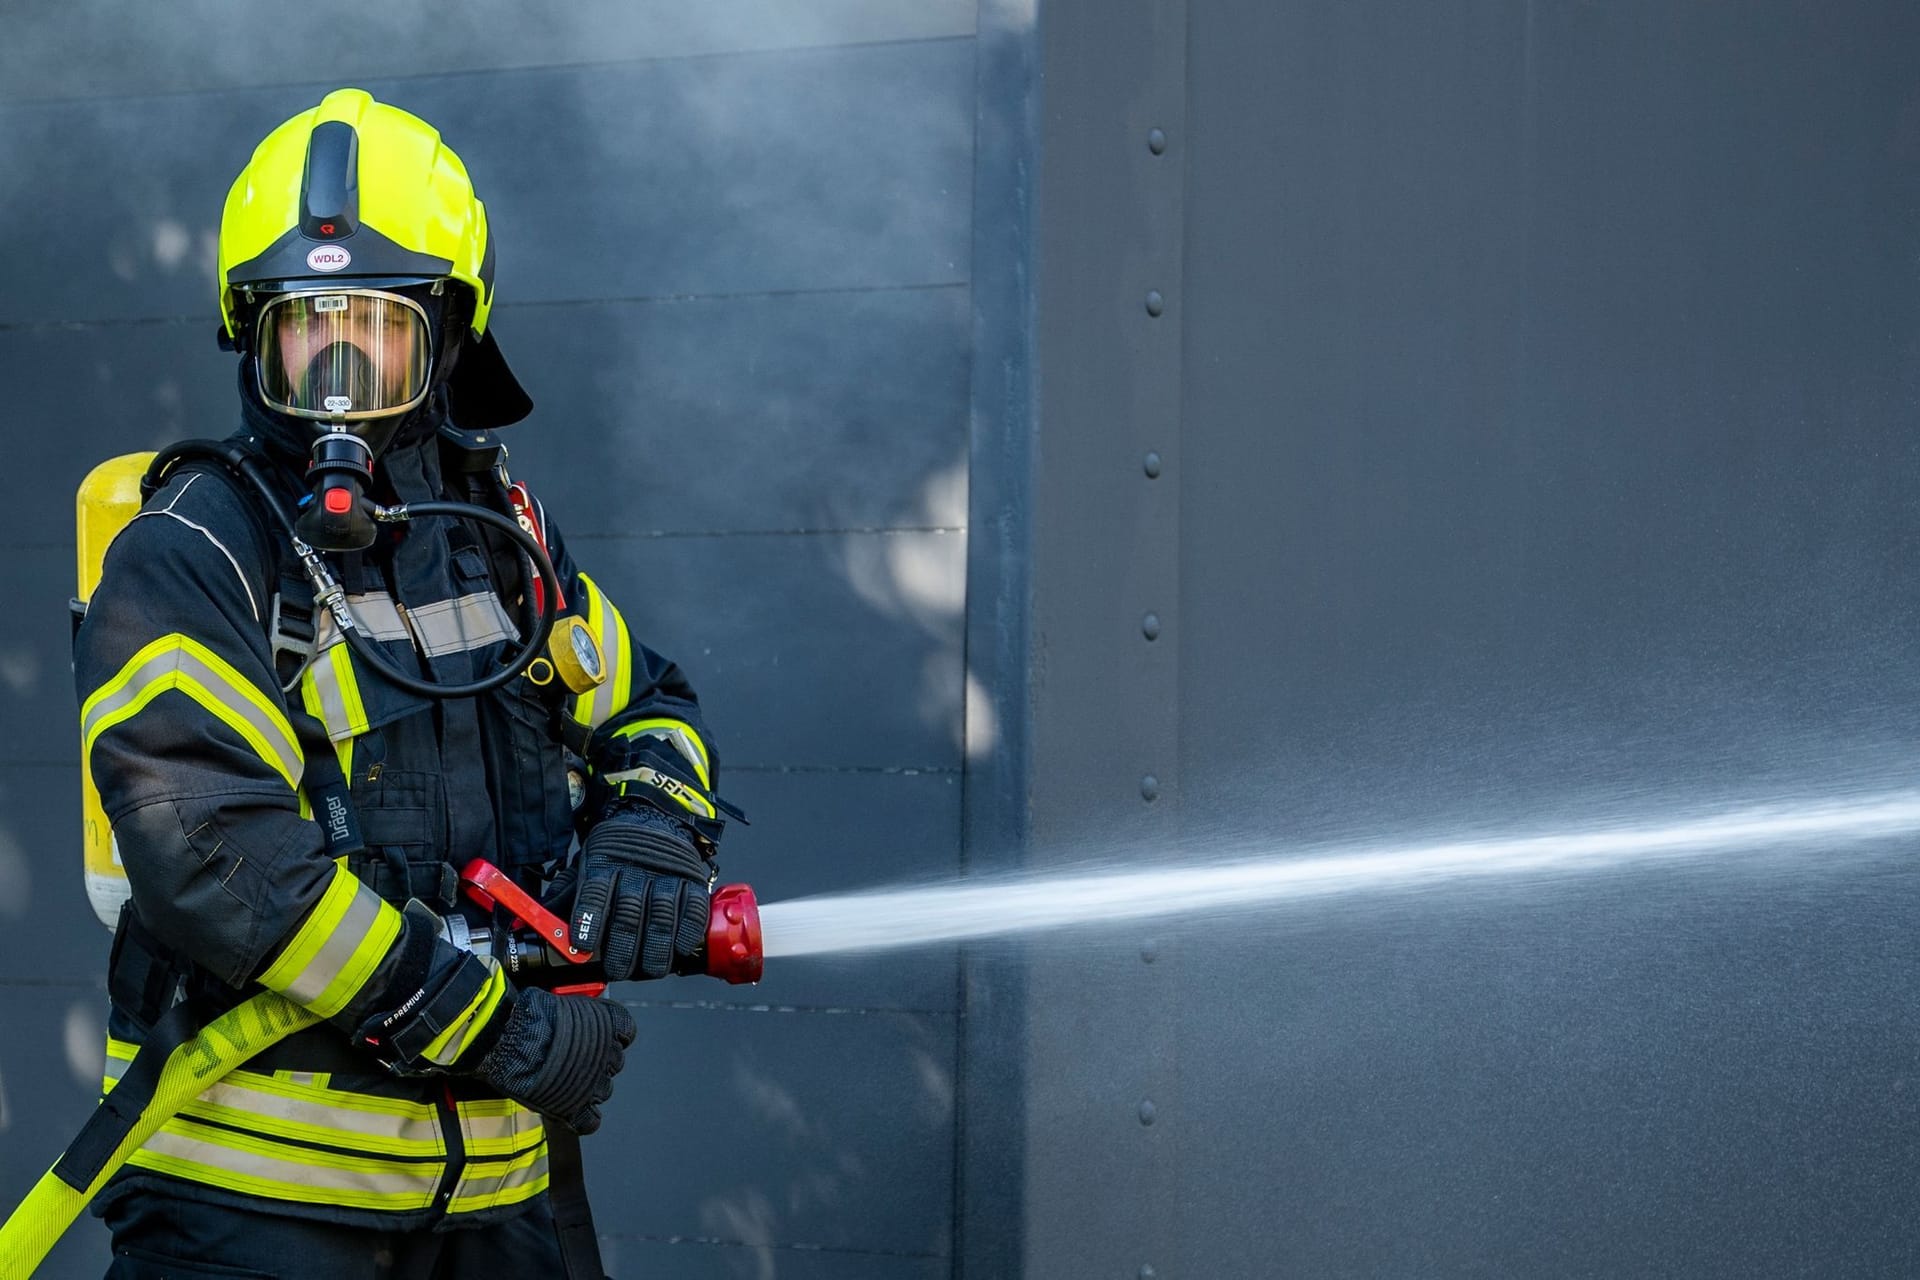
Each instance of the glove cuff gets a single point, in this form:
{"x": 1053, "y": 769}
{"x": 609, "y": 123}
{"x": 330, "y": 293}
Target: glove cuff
{"x": 453, "y": 1007}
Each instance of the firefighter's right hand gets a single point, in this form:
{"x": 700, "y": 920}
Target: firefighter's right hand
{"x": 559, "y": 1055}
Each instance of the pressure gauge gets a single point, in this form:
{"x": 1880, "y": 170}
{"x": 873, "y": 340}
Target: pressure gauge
{"x": 576, "y": 655}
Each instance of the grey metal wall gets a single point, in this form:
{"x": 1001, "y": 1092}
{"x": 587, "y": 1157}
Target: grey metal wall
{"x": 735, "y": 274}
{"x": 1532, "y": 390}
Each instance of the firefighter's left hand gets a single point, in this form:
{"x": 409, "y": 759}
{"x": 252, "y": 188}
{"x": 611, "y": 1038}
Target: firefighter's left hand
{"x": 643, "y": 899}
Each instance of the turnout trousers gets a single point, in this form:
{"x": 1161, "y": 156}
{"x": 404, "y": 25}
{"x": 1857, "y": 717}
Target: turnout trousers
{"x": 162, "y": 1237}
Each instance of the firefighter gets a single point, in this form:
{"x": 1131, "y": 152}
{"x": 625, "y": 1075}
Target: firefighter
{"x": 406, "y": 1134}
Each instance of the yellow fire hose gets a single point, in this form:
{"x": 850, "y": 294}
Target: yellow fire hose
{"x": 219, "y": 1047}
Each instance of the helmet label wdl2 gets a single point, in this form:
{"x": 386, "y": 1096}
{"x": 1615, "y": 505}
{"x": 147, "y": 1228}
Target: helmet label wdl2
{"x": 329, "y": 257}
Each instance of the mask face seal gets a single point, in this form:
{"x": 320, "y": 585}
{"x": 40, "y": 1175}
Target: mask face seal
{"x": 343, "y": 355}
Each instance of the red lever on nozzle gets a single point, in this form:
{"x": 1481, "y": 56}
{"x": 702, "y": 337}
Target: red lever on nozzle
{"x": 489, "y": 886}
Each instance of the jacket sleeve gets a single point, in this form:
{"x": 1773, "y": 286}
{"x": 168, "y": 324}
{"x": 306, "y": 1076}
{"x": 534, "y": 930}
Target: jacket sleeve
{"x": 644, "y": 733}
{"x": 187, "y": 735}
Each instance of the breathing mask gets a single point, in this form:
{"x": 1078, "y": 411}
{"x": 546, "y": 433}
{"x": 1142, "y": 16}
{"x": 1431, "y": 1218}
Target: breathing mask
{"x": 353, "y": 360}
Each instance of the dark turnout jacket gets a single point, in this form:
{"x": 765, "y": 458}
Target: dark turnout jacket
{"x": 187, "y": 727}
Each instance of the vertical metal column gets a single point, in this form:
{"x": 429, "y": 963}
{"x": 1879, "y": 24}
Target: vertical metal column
{"x": 989, "y": 1182}
{"x": 1102, "y": 1060}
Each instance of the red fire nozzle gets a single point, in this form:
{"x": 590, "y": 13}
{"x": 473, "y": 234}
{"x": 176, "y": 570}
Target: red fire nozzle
{"x": 734, "y": 952}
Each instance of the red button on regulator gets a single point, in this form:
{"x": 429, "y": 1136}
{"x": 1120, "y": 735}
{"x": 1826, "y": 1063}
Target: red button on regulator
{"x": 339, "y": 501}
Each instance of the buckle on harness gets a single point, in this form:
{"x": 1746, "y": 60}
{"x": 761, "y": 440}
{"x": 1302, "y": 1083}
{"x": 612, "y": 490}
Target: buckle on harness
{"x": 291, "y": 626}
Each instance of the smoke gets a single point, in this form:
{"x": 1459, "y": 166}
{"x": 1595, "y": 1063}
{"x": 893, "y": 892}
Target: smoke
{"x": 207, "y": 45}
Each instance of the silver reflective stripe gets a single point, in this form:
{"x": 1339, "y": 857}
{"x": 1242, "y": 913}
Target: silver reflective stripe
{"x": 594, "y": 706}
{"x": 337, "y": 1117}
{"x": 652, "y": 777}
{"x": 136, "y": 684}
{"x": 497, "y": 1128}
{"x": 338, "y": 951}
{"x": 325, "y": 684}
{"x": 456, "y": 626}
{"x": 443, "y": 626}
{"x": 294, "y": 1170}
{"x": 491, "y": 1184}
{"x": 451, "y": 1051}
{"x": 374, "y": 612}
{"x": 421, "y": 1131}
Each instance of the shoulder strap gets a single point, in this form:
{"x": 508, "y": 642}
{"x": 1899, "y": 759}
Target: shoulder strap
{"x": 572, "y": 1215}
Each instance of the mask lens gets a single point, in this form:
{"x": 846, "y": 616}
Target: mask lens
{"x": 356, "y": 354}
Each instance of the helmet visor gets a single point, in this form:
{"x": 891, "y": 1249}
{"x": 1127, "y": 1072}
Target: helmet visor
{"x": 343, "y": 355}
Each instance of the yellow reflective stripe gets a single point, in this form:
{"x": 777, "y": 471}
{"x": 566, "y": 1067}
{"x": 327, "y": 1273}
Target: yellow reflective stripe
{"x": 272, "y": 1106}
{"x": 261, "y": 1167}
{"x": 620, "y": 676}
{"x": 505, "y": 1145}
{"x": 445, "y": 1048}
{"x": 272, "y": 1114}
{"x": 610, "y": 633}
{"x": 331, "y": 691}
{"x": 336, "y": 948}
{"x": 343, "y": 744}
{"x": 340, "y": 659}
{"x": 666, "y": 784}
{"x": 486, "y": 1185}
{"x": 499, "y": 1127}
{"x": 586, "y": 705}
{"x": 680, "y": 736}
{"x": 177, "y": 662}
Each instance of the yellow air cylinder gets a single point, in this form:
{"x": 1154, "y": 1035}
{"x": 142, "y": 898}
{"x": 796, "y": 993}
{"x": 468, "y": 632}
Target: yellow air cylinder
{"x": 108, "y": 500}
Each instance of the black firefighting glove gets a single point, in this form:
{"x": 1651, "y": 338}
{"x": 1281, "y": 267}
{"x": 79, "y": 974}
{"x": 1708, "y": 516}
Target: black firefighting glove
{"x": 559, "y": 1055}
{"x": 642, "y": 898}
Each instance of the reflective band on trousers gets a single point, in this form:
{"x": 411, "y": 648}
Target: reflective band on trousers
{"x": 262, "y": 1118}
{"x": 178, "y": 662}
{"x": 336, "y": 948}
{"x": 485, "y": 1184}
{"x": 609, "y": 632}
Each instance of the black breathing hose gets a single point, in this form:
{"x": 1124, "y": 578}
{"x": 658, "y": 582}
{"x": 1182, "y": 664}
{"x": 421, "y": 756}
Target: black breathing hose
{"x": 329, "y": 595}
{"x": 530, "y": 549}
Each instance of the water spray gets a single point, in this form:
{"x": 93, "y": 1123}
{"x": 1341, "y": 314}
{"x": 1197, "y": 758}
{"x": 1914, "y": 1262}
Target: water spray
{"x": 1003, "y": 906}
